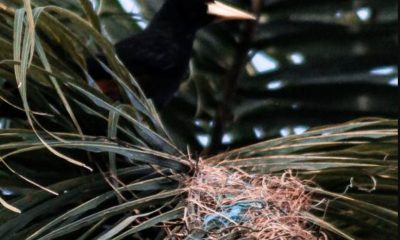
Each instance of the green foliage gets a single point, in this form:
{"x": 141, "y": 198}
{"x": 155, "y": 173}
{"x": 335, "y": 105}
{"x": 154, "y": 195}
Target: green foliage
{"x": 79, "y": 166}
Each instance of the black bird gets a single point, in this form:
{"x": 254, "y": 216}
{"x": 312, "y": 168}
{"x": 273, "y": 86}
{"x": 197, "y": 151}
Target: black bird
{"x": 158, "y": 57}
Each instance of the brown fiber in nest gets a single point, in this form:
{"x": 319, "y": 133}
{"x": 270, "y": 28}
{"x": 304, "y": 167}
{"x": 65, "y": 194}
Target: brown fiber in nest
{"x": 227, "y": 203}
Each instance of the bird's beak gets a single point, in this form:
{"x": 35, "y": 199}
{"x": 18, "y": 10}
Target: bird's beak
{"x": 225, "y": 12}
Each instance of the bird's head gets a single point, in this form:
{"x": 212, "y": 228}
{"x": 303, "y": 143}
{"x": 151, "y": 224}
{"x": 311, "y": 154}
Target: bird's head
{"x": 199, "y": 13}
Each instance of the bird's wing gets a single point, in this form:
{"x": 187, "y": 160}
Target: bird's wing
{"x": 146, "y": 53}
{"x": 156, "y": 61}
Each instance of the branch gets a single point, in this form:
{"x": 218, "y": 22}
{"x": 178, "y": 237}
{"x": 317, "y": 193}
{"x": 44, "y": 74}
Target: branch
{"x": 224, "y": 112}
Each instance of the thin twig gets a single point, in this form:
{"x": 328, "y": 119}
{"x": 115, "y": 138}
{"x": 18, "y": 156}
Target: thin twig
{"x": 230, "y": 81}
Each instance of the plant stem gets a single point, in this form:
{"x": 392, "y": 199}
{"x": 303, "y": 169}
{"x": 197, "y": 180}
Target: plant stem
{"x": 224, "y": 112}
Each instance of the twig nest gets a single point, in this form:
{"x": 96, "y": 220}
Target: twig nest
{"x": 228, "y": 203}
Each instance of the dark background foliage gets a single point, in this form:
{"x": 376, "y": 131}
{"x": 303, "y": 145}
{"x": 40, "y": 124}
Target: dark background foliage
{"x": 311, "y": 63}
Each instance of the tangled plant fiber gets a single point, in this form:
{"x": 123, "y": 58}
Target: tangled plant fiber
{"x": 228, "y": 203}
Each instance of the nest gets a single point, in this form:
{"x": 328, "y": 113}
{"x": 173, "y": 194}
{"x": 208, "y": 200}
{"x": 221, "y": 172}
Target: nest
{"x": 228, "y": 203}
